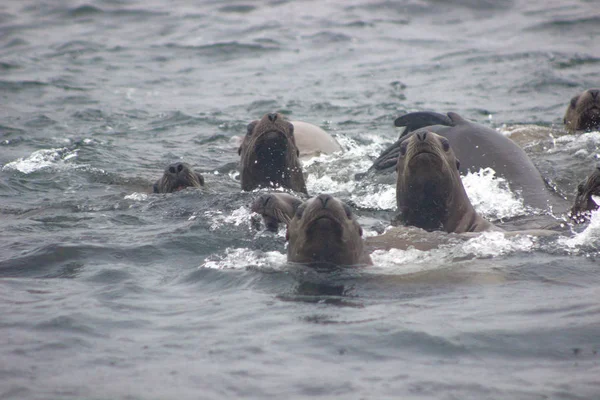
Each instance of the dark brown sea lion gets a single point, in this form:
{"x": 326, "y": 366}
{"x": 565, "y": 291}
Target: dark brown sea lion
{"x": 583, "y": 113}
{"x": 269, "y": 156}
{"x": 584, "y": 203}
{"x": 477, "y": 147}
{"x": 429, "y": 192}
{"x": 324, "y": 232}
{"x": 178, "y": 176}
{"x": 276, "y": 208}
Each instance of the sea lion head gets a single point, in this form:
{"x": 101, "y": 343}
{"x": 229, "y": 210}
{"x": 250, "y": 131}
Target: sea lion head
{"x": 178, "y": 176}
{"x": 269, "y": 156}
{"x": 325, "y": 231}
{"x": 584, "y": 202}
{"x": 429, "y": 191}
{"x": 275, "y": 208}
{"x": 583, "y": 113}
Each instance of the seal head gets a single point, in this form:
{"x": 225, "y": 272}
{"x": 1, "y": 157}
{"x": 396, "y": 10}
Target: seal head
{"x": 275, "y": 208}
{"x": 583, "y": 113}
{"x": 269, "y": 156}
{"x": 429, "y": 192}
{"x": 584, "y": 203}
{"x": 178, "y": 176}
{"x": 324, "y": 231}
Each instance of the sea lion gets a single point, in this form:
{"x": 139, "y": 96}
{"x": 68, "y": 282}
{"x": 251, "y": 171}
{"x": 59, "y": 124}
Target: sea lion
{"x": 477, "y": 147}
{"x": 583, "y": 112}
{"x": 584, "y": 203}
{"x": 269, "y": 155}
{"x": 275, "y": 208}
{"x": 429, "y": 192}
{"x": 325, "y": 232}
{"x": 178, "y": 176}
{"x": 313, "y": 141}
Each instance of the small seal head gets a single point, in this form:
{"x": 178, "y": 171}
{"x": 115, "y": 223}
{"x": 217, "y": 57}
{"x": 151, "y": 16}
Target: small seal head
{"x": 429, "y": 192}
{"x": 324, "y": 231}
{"x": 584, "y": 203}
{"x": 178, "y": 176}
{"x": 269, "y": 156}
{"x": 583, "y": 113}
{"x": 275, "y": 208}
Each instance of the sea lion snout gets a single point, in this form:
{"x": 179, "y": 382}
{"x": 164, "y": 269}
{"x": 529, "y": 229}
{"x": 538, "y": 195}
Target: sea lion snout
{"x": 324, "y": 198}
{"x": 421, "y": 136}
{"x": 594, "y": 93}
{"x": 272, "y": 117}
{"x": 176, "y": 168}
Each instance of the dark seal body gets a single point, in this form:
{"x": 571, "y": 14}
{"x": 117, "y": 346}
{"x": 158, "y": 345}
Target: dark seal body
{"x": 269, "y": 156}
{"x": 583, "y": 112}
{"x": 584, "y": 203}
{"x": 178, "y": 176}
{"x": 429, "y": 192}
{"x": 324, "y": 232}
{"x": 477, "y": 147}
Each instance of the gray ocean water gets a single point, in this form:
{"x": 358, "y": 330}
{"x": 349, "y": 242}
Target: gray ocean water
{"x": 111, "y": 292}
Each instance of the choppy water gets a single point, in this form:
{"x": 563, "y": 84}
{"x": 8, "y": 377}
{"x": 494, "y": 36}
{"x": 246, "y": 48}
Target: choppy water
{"x": 108, "y": 291}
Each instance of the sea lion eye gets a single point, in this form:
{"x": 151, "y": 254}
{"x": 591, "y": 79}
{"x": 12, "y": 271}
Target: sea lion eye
{"x": 574, "y": 101}
{"x": 348, "y": 211}
{"x": 250, "y": 127}
{"x": 403, "y": 147}
{"x": 580, "y": 188}
{"x": 300, "y": 211}
{"x": 445, "y": 144}
{"x": 291, "y": 129}
{"x": 457, "y": 164}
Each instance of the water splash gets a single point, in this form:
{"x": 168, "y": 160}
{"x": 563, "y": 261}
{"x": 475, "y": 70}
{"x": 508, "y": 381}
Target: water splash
{"x": 491, "y": 196}
{"x": 42, "y": 159}
{"x": 243, "y": 257}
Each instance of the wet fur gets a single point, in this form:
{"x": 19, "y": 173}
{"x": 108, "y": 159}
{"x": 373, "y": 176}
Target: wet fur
{"x": 178, "y": 176}
{"x": 583, "y": 112}
{"x": 269, "y": 156}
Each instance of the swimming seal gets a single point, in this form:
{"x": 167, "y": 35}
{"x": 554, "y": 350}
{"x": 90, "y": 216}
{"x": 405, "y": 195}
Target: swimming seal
{"x": 429, "y": 192}
{"x": 583, "y": 112}
{"x": 178, "y": 176}
{"x": 275, "y": 208}
{"x": 584, "y": 203}
{"x": 313, "y": 141}
{"x": 476, "y": 146}
{"x": 324, "y": 232}
{"x": 269, "y": 155}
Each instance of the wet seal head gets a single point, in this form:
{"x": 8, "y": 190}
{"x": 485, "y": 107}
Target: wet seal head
{"x": 583, "y": 112}
{"x": 324, "y": 232}
{"x": 178, "y": 176}
{"x": 275, "y": 208}
{"x": 429, "y": 192}
{"x": 269, "y": 156}
{"x": 584, "y": 202}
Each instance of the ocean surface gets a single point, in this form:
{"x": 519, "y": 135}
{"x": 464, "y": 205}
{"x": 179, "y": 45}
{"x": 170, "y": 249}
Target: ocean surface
{"x": 108, "y": 291}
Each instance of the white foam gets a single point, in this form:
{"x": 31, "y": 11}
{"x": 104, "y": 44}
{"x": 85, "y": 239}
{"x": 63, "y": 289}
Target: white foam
{"x": 42, "y": 159}
{"x": 575, "y": 143}
{"x": 236, "y": 258}
{"x": 238, "y": 217}
{"x": 485, "y": 245}
{"x": 135, "y": 196}
{"x": 491, "y": 196}
{"x": 589, "y": 237}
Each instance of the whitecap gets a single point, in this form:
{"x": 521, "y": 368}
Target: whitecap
{"x": 236, "y": 258}
{"x": 42, "y": 159}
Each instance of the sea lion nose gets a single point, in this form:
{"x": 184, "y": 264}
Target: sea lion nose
{"x": 324, "y": 199}
{"x": 594, "y": 93}
{"x": 272, "y": 117}
{"x": 421, "y": 136}
{"x": 176, "y": 168}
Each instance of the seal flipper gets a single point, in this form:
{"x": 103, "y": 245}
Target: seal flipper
{"x": 421, "y": 119}
{"x": 456, "y": 119}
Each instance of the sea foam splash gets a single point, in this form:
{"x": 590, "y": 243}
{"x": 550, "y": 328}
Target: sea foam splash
{"x": 238, "y": 217}
{"x": 237, "y": 258}
{"x": 589, "y": 237}
{"x": 42, "y": 159}
{"x": 491, "y": 196}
